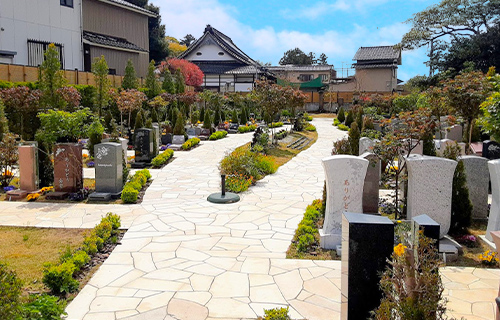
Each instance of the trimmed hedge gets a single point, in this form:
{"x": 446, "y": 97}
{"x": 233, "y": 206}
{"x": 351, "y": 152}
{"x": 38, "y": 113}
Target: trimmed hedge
{"x": 305, "y": 235}
{"x": 247, "y": 128}
{"x": 134, "y": 186}
{"x": 59, "y": 277}
{"x": 162, "y": 158}
{"x": 310, "y": 127}
{"x": 343, "y": 127}
{"x": 218, "y": 135}
{"x": 190, "y": 143}
{"x": 336, "y": 122}
{"x": 276, "y": 125}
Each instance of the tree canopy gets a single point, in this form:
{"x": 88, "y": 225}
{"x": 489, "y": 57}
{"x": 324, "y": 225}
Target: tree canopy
{"x": 298, "y": 57}
{"x": 187, "y": 40}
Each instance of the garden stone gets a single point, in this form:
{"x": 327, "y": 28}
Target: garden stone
{"x": 367, "y": 245}
{"x": 366, "y": 145}
{"x": 345, "y": 176}
{"x": 68, "y": 167}
{"x": 108, "y": 168}
{"x": 491, "y": 150}
{"x": 143, "y": 145}
{"x": 429, "y": 189}
{"x": 28, "y": 167}
{"x": 371, "y": 185}
{"x": 494, "y": 218}
{"x": 477, "y": 174}
{"x": 454, "y": 133}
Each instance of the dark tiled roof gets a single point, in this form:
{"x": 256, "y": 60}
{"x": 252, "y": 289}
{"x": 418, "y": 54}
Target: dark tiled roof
{"x": 292, "y": 67}
{"x": 217, "y": 67}
{"x": 110, "y": 41}
{"x": 132, "y": 6}
{"x": 374, "y": 66}
{"x": 246, "y": 70}
{"x": 377, "y": 53}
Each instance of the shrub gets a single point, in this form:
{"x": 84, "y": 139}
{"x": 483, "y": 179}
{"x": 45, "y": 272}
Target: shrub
{"x": 79, "y": 259}
{"x": 162, "y": 158}
{"x": 59, "y": 278}
{"x": 276, "y": 314}
{"x": 305, "y": 242}
{"x": 307, "y": 117}
{"x": 145, "y": 172}
{"x": 310, "y": 127}
{"x": 341, "y": 115}
{"x": 103, "y": 230}
{"x": 349, "y": 118}
{"x": 276, "y": 124}
{"x": 43, "y": 307}
{"x": 308, "y": 227}
{"x": 249, "y": 128}
{"x": 265, "y": 165}
{"x": 237, "y": 183}
{"x": 341, "y": 146}
{"x": 129, "y": 195}
{"x": 343, "y": 127}
{"x": 354, "y": 136}
{"x": 336, "y": 122}
{"x": 218, "y": 135}
{"x": 190, "y": 143}
{"x": 10, "y": 290}
{"x": 134, "y": 184}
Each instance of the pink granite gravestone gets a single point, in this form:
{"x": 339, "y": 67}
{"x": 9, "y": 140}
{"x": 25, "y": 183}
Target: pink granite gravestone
{"x": 68, "y": 168}
{"x": 28, "y": 168}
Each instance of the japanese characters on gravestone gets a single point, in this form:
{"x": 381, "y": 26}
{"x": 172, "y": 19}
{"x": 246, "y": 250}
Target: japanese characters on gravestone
{"x": 345, "y": 176}
{"x": 429, "y": 189}
{"x": 68, "y": 168}
{"x": 371, "y": 184}
{"x": 28, "y": 167}
{"x": 494, "y": 218}
{"x": 478, "y": 177}
{"x": 491, "y": 150}
{"x": 108, "y": 167}
{"x": 124, "y": 144}
{"x": 143, "y": 145}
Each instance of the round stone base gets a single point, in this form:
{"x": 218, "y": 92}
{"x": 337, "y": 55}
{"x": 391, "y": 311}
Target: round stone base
{"x": 229, "y": 197}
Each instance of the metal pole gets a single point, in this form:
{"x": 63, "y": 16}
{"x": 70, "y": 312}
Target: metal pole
{"x": 223, "y": 182}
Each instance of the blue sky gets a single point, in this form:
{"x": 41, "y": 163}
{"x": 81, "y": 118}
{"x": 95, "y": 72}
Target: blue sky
{"x": 266, "y": 29}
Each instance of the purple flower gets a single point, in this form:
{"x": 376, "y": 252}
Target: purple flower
{"x": 8, "y": 188}
{"x": 90, "y": 164}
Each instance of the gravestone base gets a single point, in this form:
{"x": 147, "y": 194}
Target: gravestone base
{"x": 229, "y": 197}
{"x": 58, "y": 195}
{"x": 100, "y": 196}
{"x": 329, "y": 241}
{"x": 139, "y": 165}
{"x": 16, "y": 194}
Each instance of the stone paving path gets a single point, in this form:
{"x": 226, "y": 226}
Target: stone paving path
{"x": 185, "y": 258}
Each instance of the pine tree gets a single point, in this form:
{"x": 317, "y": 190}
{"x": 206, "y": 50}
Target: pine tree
{"x": 130, "y": 78}
{"x": 202, "y": 113}
{"x": 354, "y": 136}
{"x": 152, "y": 84}
{"x": 217, "y": 116}
{"x": 154, "y": 115}
{"x": 179, "y": 124}
{"x": 341, "y": 115}
{"x": 180, "y": 86}
{"x": 108, "y": 117}
{"x": 461, "y": 207}
{"x": 243, "y": 118}
{"x": 168, "y": 82}
{"x": 349, "y": 119}
{"x": 139, "y": 121}
{"x": 100, "y": 70}
{"x": 234, "y": 116}
{"x": 223, "y": 116}
{"x": 51, "y": 79}
{"x": 207, "y": 120}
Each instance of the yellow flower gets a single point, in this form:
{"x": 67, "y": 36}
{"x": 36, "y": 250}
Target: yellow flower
{"x": 399, "y": 250}
{"x": 399, "y": 221}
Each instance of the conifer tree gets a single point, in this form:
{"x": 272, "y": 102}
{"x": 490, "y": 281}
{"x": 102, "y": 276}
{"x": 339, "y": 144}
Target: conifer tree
{"x": 179, "y": 124}
{"x": 341, "y": 115}
{"x": 180, "y": 86}
{"x": 152, "y": 83}
{"x": 234, "y": 116}
{"x": 202, "y": 113}
{"x": 130, "y": 78}
{"x": 168, "y": 82}
{"x": 100, "y": 70}
{"x": 207, "y": 120}
{"x": 51, "y": 78}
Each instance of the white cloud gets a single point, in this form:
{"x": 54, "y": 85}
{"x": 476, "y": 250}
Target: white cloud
{"x": 319, "y": 9}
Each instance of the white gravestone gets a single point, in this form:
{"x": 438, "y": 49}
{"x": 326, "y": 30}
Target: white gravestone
{"x": 494, "y": 218}
{"x": 430, "y": 182}
{"x": 345, "y": 177}
{"x": 366, "y": 145}
{"x": 478, "y": 177}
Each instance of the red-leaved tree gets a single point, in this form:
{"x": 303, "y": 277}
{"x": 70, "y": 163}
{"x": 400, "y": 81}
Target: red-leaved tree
{"x": 193, "y": 76}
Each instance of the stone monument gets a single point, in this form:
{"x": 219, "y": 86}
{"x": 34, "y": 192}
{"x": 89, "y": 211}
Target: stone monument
{"x": 371, "y": 185}
{"x": 429, "y": 189}
{"x": 108, "y": 168}
{"x": 366, "y": 145}
{"x": 454, "y": 133}
{"x": 157, "y": 138}
{"x": 123, "y": 142}
{"x": 345, "y": 176}
{"x": 491, "y": 150}
{"x": 28, "y": 167}
{"x": 68, "y": 167}
{"x": 143, "y": 146}
{"x": 494, "y": 218}
{"x": 478, "y": 177}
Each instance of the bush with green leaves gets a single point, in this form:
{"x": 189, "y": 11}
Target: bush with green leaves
{"x": 349, "y": 118}
{"x": 306, "y": 234}
{"x": 354, "y": 136}
{"x": 43, "y": 307}
{"x": 341, "y": 115}
{"x": 191, "y": 143}
{"x": 247, "y": 128}
{"x": 129, "y": 194}
{"x": 59, "y": 278}
{"x": 10, "y": 291}
{"x": 276, "y": 314}
{"x": 343, "y": 127}
{"x": 310, "y": 127}
{"x": 62, "y": 126}
{"x": 276, "y": 124}
{"x": 218, "y": 135}
{"x": 336, "y": 122}
{"x": 132, "y": 188}
{"x": 162, "y": 158}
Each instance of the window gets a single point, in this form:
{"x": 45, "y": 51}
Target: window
{"x": 305, "y": 77}
{"x": 36, "y": 49}
{"x": 67, "y": 3}
{"x": 324, "y": 78}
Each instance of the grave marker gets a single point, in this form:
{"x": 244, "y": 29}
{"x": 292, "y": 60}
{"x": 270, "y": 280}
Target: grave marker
{"x": 68, "y": 167}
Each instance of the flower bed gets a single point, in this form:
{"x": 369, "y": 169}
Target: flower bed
{"x": 132, "y": 188}
{"x": 247, "y": 128}
{"x": 191, "y": 143}
{"x": 162, "y": 158}
{"x": 218, "y": 135}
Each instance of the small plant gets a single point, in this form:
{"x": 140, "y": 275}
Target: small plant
{"x": 10, "y": 290}
{"x": 44, "y": 307}
{"x": 276, "y": 314}
{"x": 489, "y": 258}
{"x": 343, "y": 127}
{"x": 336, "y": 122}
{"x": 310, "y": 127}
{"x": 33, "y": 196}
{"x": 247, "y": 128}
{"x": 238, "y": 183}
{"x": 190, "y": 143}
{"x": 276, "y": 124}
{"x": 59, "y": 278}
{"x": 341, "y": 115}
{"x": 305, "y": 235}
{"x": 218, "y": 135}
{"x": 468, "y": 240}
{"x": 162, "y": 158}
{"x": 132, "y": 188}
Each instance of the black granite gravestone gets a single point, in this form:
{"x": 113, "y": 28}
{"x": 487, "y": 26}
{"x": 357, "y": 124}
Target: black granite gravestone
{"x": 430, "y": 227}
{"x": 491, "y": 150}
{"x": 367, "y": 243}
{"x": 143, "y": 145}
{"x": 166, "y": 138}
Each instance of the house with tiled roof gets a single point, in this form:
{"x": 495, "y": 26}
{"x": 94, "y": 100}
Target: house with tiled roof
{"x": 226, "y": 67}
{"x": 80, "y": 29}
{"x": 377, "y": 68}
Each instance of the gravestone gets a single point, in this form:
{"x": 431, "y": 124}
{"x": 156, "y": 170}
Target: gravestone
{"x": 156, "y": 131}
{"x": 366, "y": 145}
{"x": 442, "y": 144}
{"x": 197, "y": 131}
{"x": 371, "y": 184}
{"x": 143, "y": 145}
{"x": 345, "y": 176}
{"x": 367, "y": 244}
{"x": 28, "y": 167}
{"x": 494, "y": 218}
{"x": 454, "y": 133}
{"x": 108, "y": 168}
{"x": 205, "y": 134}
{"x": 478, "y": 177}
{"x": 177, "y": 141}
{"x": 417, "y": 146}
{"x": 166, "y": 138}
{"x": 191, "y": 132}
{"x": 233, "y": 128}
{"x": 491, "y": 150}
{"x": 430, "y": 227}
{"x": 124, "y": 144}
{"x": 429, "y": 189}
{"x": 68, "y": 168}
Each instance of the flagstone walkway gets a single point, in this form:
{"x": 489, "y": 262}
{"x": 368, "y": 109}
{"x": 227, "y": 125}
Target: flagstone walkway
{"x": 185, "y": 258}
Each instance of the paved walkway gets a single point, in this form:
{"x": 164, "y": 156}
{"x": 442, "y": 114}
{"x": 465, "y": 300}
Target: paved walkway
{"x": 185, "y": 258}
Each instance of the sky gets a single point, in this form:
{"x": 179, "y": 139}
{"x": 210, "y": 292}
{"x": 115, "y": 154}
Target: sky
{"x": 264, "y": 30}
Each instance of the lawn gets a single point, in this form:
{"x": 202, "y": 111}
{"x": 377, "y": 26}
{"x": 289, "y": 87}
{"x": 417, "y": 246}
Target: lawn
{"x": 27, "y": 249}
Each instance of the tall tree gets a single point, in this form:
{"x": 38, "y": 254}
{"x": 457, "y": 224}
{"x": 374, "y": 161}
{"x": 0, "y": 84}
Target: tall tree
{"x": 323, "y": 59}
{"x": 449, "y": 19}
{"x": 158, "y": 47}
{"x": 296, "y": 56}
{"x": 100, "y": 70}
{"x": 187, "y": 40}
{"x": 130, "y": 78}
{"x": 51, "y": 78}
{"x": 152, "y": 84}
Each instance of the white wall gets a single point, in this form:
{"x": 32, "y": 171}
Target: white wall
{"x": 42, "y": 20}
{"x": 209, "y": 50}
